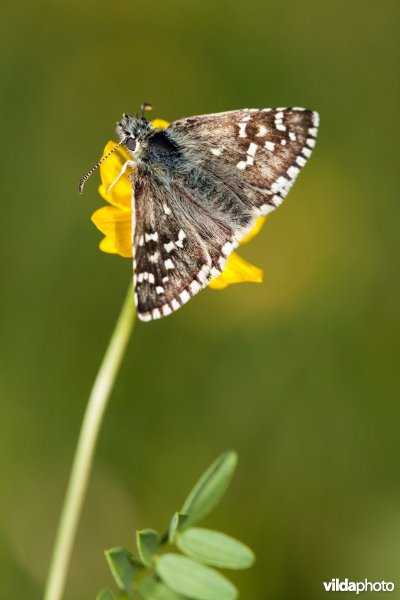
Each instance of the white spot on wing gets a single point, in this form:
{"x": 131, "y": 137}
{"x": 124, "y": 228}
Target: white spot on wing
{"x": 181, "y": 237}
{"x": 216, "y": 151}
{"x": 293, "y": 171}
{"x": 277, "y": 200}
{"x": 252, "y": 149}
{"x": 195, "y": 286}
{"x": 251, "y": 152}
{"x": 145, "y": 316}
{"x": 185, "y": 296}
{"x": 203, "y": 273}
{"x": 269, "y": 146}
{"x": 279, "y": 184}
{"x": 169, "y": 247}
{"x": 279, "y": 121}
{"x": 154, "y": 258}
{"x": 227, "y": 248}
{"x": 242, "y": 130}
{"x": 169, "y": 264}
{"x": 265, "y": 209}
{"x": 175, "y": 304}
{"x": 315, "y": 119}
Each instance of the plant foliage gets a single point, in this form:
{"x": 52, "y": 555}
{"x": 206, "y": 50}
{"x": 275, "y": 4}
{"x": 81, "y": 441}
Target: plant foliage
{"x": 191, "y": 574}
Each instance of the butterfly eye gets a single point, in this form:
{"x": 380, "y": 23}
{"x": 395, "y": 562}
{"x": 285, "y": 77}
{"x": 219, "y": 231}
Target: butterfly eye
{"x": 131, "y": 144}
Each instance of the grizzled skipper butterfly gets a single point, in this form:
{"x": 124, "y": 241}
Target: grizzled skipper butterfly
{"x": 197, "y": 189}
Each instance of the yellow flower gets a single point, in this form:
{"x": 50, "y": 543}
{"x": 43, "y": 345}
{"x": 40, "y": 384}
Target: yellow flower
{"x": 115, "y": 220}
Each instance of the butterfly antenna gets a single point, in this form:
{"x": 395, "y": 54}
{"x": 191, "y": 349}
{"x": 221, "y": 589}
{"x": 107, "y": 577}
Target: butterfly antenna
{"x": 88, "y": 174}
{"x": 145, "y": 106}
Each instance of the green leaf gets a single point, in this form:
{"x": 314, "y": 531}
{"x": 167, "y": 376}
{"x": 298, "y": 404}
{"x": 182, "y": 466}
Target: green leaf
{"x": 152, "y": 588}
{"x": 210, "y": 488}
{"x": 177, "y": 524}
{"x": 105, "y": 595}
{"x": 148, "y": 542}
{"x": 214, "y": 548}
{"x": 194, "y": 580}
{"x": 123, "y": 568}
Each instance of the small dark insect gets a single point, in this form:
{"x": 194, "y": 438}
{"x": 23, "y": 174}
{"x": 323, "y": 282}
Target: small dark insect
{"x": 197, "y": 189}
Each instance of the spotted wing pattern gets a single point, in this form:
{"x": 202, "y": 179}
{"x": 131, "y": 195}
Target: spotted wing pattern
{"x": 178, "y": 248}
{"x": 192, "y": 209}
{"x": 267, "y": 147}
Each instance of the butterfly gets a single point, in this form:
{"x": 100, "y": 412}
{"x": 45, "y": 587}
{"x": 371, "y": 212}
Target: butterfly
{"x": 198, "y": 188}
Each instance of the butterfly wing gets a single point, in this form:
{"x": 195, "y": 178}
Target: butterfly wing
{"x": 178, "y": 246}
{"x": 190, "y": 212}
{"x": 266, "y": 148}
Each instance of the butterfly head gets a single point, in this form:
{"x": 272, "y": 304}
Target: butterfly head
{"x": 132, "y": 131}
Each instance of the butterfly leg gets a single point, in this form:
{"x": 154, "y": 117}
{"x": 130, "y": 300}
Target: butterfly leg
{"x": 128, "y": 163}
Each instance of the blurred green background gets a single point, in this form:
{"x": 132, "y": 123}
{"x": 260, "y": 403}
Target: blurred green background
{"x": 298, "y": 374}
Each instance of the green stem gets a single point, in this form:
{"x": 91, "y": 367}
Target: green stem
{"x": 84, "y": 453}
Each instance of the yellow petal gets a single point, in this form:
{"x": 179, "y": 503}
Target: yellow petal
{"x": 116, "y": 224}
{"x": 108, "y": 245}
{"x": 121, "y": 192}
{"x": 237, "y": 270}
{"x": 253, "y": 232}
{"x": 160, "y": 123}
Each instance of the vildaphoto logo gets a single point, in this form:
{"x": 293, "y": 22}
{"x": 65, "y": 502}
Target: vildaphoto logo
{"x": 344, "y": 585}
